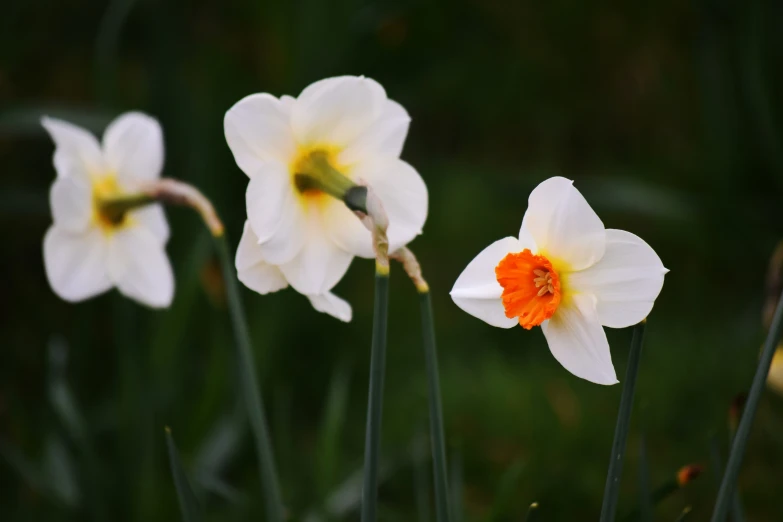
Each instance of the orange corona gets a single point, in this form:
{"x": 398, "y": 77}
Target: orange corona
{"x": 531, "y": 287}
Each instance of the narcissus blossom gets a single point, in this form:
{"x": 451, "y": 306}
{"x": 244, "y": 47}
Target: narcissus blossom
{"x": 264, "y": 278}
{"x": 340, "y": 130}
{"x": 568, "y": 274}
{"x": 88, "y": 250}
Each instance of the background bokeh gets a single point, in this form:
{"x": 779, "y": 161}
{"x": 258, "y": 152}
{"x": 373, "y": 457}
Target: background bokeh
{"x": 668, "y": 117}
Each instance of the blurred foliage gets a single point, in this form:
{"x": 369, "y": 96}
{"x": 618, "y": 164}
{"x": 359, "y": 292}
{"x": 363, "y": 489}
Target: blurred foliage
{"x": 666, "y": 115}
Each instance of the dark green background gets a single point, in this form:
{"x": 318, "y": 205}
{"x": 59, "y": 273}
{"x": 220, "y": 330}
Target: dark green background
{"x": 666, "y": 114}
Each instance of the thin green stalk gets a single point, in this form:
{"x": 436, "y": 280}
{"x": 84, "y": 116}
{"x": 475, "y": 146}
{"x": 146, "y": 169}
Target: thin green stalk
{"x": 457, "y": 485}
{"x": 728, "y": 484}
{"x": 737, "y": 512}
{"x": 684, "y": 514}
{"x": 250, "y": 390}
{"x": 189, "y": 504}
{"x": 442, "y": 505}
{"x": 372, "y": 441}
{"x": 612, "y": 489}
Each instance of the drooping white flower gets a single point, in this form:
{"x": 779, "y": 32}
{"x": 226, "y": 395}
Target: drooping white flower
{"x": 346, "y": 125}
{"x": 88, "y": 251}
{"x": 260, "y": 276}
{"x": 567, "y": 273}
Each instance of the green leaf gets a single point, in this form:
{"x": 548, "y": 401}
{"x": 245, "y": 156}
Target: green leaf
{"x": 188, "y": 502}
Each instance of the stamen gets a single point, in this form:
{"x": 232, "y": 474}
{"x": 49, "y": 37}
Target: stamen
{"x": 531, "y": 287}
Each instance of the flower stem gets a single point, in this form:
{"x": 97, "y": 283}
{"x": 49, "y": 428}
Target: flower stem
{"x": 375, "y": 399}
{"x": 531, "y": 512}
{"x": 189, "y": 504}
{"x": 250, "y": 390}
{"x": 612, "y": 489}
{"x": 442, "y": 507}
{"x": 740, "y": 442}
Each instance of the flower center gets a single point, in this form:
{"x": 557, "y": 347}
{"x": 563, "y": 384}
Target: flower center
{"x": 531, "y": 287}
{"x": 315, "y": 173}
{"x": 103, "y": 190}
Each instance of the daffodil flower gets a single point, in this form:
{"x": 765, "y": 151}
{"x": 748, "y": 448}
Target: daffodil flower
{"x": 261, "y": 277}
{"x": 568, "y": 274}
{"x": 91, "y": 248}
{"x": 337, "y": 133}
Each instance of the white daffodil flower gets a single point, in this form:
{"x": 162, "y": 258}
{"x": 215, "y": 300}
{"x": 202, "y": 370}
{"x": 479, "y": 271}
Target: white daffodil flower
{"x": 260, "y": 276}
{"x": 89, "y": 250}
{"x": 341, "y": 127}
{"x": 568, "y": 274}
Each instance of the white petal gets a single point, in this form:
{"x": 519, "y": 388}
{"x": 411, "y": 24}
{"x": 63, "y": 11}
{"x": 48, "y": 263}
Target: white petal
{"x": 384, "y": 138}
{"x": 578, "y": 341}
{"x": 153, "y": 218}
{"x": 258, "y": 130}
{"x": 77, "y": 152}
{"x": 329, "y": 303}
{"x": 404, "y": 197}
{"x": 139, "y": 267}
{"x": 320, "y": 264}
{"x": 477, "y": 290}
{"x": 276, "y": 213}
{"x": 76, "y": 263}
{"x": 336, "y": 111}
{"x": 252, "y": 270}
{"x": 563, "y": 225}
{"x": 626, "y": 281}
{"x": 133, "y": 144}
{"x": 71, "y": 201}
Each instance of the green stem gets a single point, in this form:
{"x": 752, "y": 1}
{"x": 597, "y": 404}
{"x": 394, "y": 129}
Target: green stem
{"x": 740, "y": 442}
{"x": 612, "y": 489}
{"x": 375, "y": 400}
{"x": 189, "y": 504}
{"x": 442, "y": 505}
{"x": 684, "y": 514}
{"x": 737, "y": 512}
{"x": 250, "y": 390}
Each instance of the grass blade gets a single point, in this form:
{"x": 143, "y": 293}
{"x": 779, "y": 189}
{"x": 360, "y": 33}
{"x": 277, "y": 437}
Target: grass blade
{"x": 685, "y": 475}
{"x": 442, "y": 505}
{"x": 728, "y": 484}
{"x": 332, "y": 423}
{"x": 375, "y": 399}
{"x": 612, "y": 489}
{"x": 250, "y": 392}
{"x": 531, "y": 512}
{"x": 188, "y": 502}
{"x": 684, "y": 514}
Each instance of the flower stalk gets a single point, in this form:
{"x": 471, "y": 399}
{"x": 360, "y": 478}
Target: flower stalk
{"x": 740, "y": 442}
{"x": 412, "y": 267}
{"x": 612, "y": 490}
{"x": 375, "y": 397}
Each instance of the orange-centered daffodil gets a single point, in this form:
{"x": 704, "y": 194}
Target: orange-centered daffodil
{"x": 568, "y": 274}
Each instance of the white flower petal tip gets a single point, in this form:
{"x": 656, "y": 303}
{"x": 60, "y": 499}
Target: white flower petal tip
{"x": 329, "y": 303}
{"x": 344, "y": 125}
{"x": 87, "y": 252}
